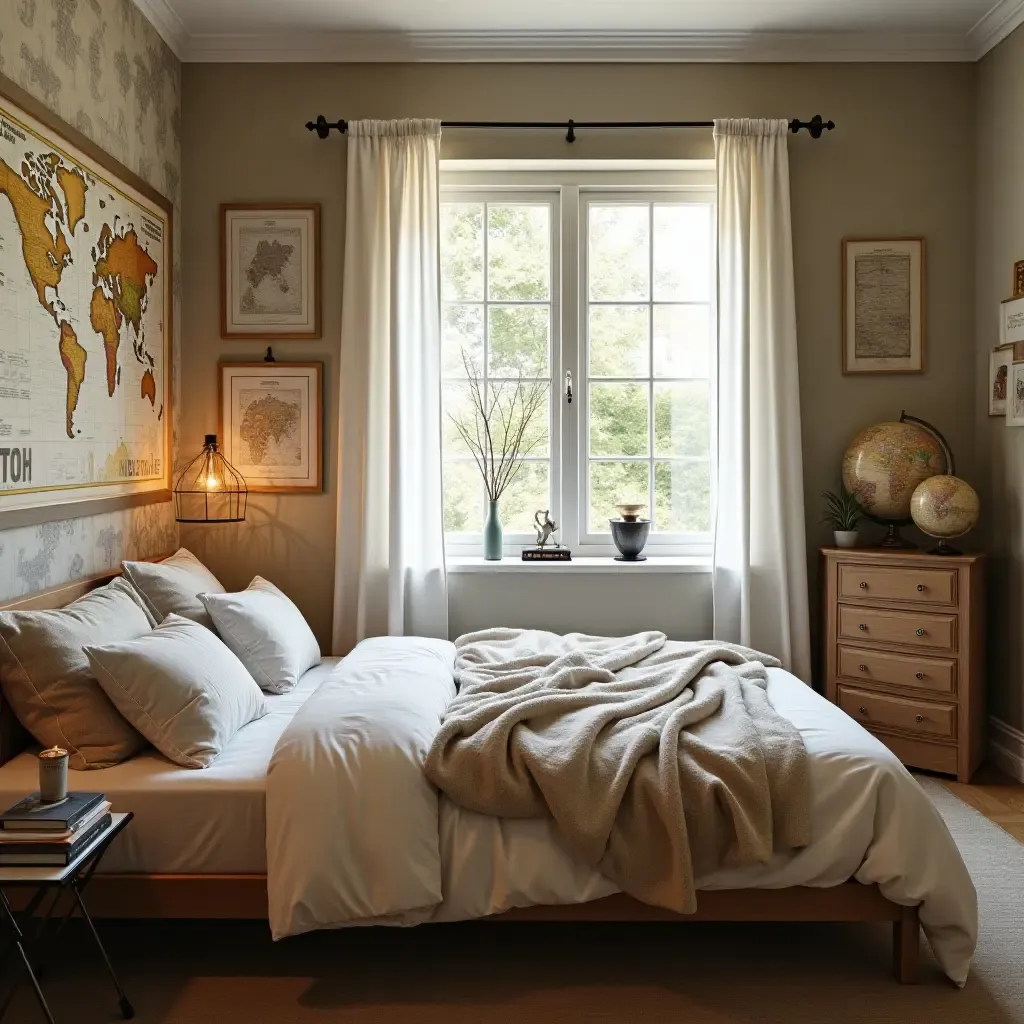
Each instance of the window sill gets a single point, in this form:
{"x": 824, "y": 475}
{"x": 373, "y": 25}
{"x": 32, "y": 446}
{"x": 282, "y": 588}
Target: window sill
{"x": 583, "y": 564}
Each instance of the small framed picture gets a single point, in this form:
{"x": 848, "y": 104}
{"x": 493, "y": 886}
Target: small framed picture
{"x": 1011, "y": 321}
{"x": 270, "y": 271}
{"x": 999, "y": 362}
{"x": 1018, "y": 279}
{"x": 883, "y": 305}
{"x": 1015, "y": 396}
{"x": 271, "y": 424}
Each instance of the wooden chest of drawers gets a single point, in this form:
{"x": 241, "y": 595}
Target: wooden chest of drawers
{"x": 904, "y": 652}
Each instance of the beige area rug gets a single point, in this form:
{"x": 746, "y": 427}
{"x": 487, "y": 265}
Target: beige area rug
{"x": 457, "y": 974}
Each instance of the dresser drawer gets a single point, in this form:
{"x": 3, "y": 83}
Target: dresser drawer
{"x": 927, "y": 630}
{"x": 892, "y": 583}
{"x": 935, "y": 674}
{"x": 881, "y": 711}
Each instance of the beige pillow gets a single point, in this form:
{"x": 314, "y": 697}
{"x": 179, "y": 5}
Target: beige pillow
{"x": 170, "y": 587}
{"x": 267, "y": 632}
{"x": 181, "y": 688}
{"x": 47, "y": 680}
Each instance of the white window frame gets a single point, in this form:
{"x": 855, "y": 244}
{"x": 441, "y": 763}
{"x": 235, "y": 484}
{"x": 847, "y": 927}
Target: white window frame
{"x": 470, "y": 543}
{"x": 577, "y": 183}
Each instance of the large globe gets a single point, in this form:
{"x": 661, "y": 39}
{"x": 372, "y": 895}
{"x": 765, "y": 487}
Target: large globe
{"x": 945, "y": 507}
{"x": 885, "y": 463}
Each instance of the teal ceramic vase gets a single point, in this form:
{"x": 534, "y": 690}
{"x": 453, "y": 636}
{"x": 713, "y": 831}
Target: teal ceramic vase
{"x": 492, "y": 533}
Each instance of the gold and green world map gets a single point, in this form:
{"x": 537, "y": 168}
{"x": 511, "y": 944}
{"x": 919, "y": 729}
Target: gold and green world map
{"x": 82, "y": 320}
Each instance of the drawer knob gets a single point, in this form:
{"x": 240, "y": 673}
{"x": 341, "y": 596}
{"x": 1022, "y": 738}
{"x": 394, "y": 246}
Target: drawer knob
{"x": 920, "y": 588}
{"x": 863, "y": 668}
{"x": 919, "y": 675}
{"x": 919, "y": 632}
{"x": 863, "y": 710}
{"x": 863, "y": 627}
{"x": 918, "y": 718}
{"x": 863, "y": 586}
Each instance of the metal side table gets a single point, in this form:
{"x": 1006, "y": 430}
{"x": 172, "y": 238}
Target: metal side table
{"x": 54, "y": 882}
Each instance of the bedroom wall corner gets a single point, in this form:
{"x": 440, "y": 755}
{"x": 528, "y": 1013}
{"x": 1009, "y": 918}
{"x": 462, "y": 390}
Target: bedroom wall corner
{"x": 999, "y": 154}
{"x": 102, "y": 67}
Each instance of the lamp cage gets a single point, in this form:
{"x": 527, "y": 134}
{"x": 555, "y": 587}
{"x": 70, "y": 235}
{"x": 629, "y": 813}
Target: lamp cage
{"x": 210, "y": 489}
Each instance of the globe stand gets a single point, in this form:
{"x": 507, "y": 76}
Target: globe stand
{"x": 942, "y": 548}
{"x": 894, "y": 539}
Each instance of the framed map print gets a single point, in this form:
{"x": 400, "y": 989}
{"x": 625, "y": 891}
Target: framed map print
{"x": 883, "y": 305}
{"x": 85, "y": 324}
{"x": 271, "y": 424}
{"x": 270, "y": 271}
{"x": 1011, "y": 321}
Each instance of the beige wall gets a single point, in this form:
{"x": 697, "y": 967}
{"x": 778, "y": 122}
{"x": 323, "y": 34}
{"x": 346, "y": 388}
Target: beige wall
{"x": 900, "y": 163}
{"x": 104, "y": 69}
{"x": 1000, "y": 242}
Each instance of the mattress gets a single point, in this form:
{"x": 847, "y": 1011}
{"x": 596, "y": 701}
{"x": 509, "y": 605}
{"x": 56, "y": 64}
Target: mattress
{"x": 195, "y": 821}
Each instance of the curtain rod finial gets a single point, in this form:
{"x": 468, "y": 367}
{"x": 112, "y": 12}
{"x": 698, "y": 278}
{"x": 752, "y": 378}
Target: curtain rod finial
{"x": 321, "y": 126}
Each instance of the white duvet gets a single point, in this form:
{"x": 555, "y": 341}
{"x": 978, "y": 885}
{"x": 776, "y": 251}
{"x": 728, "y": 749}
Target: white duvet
{"x": 357, "y": 835}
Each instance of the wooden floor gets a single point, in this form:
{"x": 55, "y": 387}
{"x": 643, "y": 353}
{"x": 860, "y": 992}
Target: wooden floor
{"x": 997, "y": 796}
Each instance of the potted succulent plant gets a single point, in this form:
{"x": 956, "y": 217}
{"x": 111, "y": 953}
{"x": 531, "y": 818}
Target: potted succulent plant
{"x": 843, "y": 512}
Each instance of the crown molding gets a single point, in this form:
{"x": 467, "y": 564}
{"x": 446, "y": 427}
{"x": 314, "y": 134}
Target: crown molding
{"x": 165, "y": 20}
{"x": 995, "y": 26}
{"x": 614, "y": 47}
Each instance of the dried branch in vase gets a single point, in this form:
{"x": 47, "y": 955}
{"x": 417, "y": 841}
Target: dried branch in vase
{"x": 496, "y": 430}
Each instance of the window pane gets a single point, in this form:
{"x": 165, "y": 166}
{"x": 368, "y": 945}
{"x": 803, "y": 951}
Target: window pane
{"x": 509, "y": 406}
{"x": 618, "y": 419}
{"x": 682, "y": 341}
{"x": 463, "y": 498}
{"x": 527, "y": 493}
{"x": 619, "y": 341}
{"x": 619, "y": 252}
{"x": 681, "y": 419}
{"x": 518, "y": 251}
{"x": 462, "y": 333}
{"x": 682, "y": 496}
{"x": 462, "y": 250}
{"x": 456, "y": 404}
{"x": 518, "y": 340}
{"x": 615, "y": 483}
{"x": 682, "y": 252}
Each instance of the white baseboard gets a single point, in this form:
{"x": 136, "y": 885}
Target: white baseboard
{"x": 1006, "y": 748}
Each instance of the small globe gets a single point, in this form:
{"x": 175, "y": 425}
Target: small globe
{"x": 944, "y": 507}
{"x": 885, "y": 463}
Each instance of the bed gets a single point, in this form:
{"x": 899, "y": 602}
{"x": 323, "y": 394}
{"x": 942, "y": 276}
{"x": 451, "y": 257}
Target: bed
{"x": 198, "y": 847}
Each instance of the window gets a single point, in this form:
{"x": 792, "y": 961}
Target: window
{"x": 611, "y": 278}
{"x": 497, "y": 291}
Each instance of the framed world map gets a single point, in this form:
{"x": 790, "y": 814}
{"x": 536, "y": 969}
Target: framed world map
{"x": 271, "y": 424}
{"x": 85, "y": 324}
{"x": 270, "y": 271}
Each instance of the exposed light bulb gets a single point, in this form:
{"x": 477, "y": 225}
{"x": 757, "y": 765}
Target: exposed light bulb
{"x": 212, "y": 482}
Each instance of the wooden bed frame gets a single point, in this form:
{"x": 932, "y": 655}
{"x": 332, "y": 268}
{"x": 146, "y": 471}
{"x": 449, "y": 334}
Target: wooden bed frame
{"x": 245, "y": 896}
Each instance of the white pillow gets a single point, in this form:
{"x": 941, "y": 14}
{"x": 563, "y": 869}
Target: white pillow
{"x": 180, "y": 687}
{"x": 267, "y": 632}
{"x": 170, "y": 587}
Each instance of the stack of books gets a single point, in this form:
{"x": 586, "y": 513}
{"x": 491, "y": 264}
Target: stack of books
{"x": 37, "y": 834}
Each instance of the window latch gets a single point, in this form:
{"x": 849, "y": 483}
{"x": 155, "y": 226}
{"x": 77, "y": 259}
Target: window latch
{"x": 568, "y": 387}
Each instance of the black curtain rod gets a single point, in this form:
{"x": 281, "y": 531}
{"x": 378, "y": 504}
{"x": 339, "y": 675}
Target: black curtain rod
{"x": 815, "y": 127}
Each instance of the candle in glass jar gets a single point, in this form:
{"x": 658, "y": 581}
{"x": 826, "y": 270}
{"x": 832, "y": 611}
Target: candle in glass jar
{"x": 53, "y": 775}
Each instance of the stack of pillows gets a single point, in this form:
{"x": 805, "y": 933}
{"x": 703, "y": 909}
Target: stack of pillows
{"x": 161, "y": 656}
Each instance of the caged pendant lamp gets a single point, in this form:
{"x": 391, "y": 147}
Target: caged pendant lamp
{"x": 210, "y": 489}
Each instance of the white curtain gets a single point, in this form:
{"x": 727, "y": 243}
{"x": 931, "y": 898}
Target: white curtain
{"x": 389, "y": 568}
{"x": 760, "y": 559}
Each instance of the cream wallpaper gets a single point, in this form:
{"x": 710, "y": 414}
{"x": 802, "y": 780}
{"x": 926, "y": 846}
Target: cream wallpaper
{"x": 101, "y": 66}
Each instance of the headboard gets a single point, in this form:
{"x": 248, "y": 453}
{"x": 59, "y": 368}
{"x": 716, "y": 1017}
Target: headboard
{"x": 13, "y": 738}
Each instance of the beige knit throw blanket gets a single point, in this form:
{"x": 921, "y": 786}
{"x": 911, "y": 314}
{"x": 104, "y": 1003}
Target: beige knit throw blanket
{"x": 658, "y": 763}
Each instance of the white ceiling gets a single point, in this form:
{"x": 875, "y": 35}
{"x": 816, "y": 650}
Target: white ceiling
{"x": 710, "y": 30}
